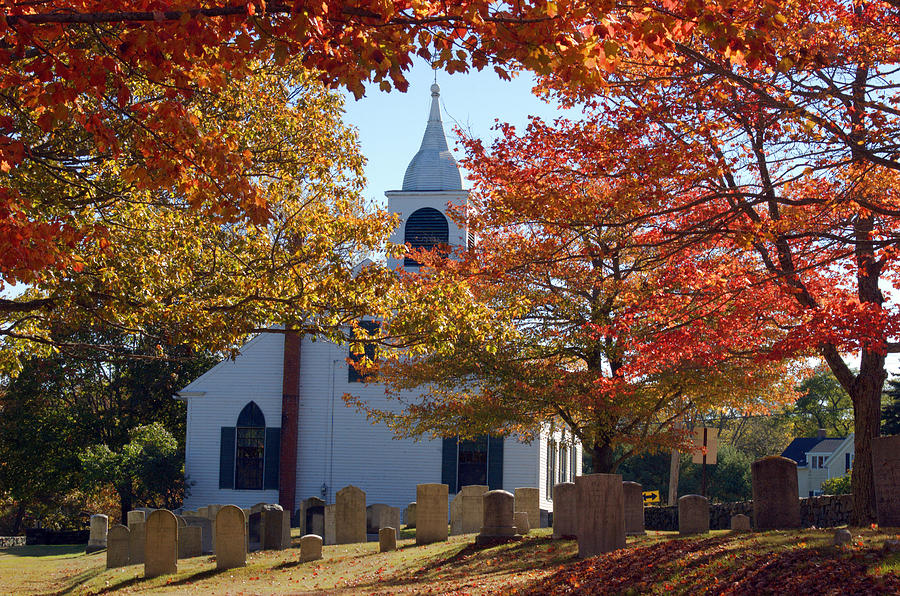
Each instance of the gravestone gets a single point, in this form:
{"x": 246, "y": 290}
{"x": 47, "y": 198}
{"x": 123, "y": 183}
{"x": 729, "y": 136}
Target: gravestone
{"x": 693, "y": 514}
{"x": 600, "y": 507}
{"x": 312, "y": 508}
{"x": 520, "y": 520}
{"x": 467, "y": 510}
{"x": 286, "y": 530}
{"x": 529, "y": 501}
{"x": 257, "y": 508}
{"x": 254, "y": 523}
{"x": 117, "y": 546}
{"x": 380, "y": 516}
{"x": 886, "y": 467}
{"x": 409, "y": 514}
{"x": 499, "y": 523}
{"x": 212, "y": 511}
{"x": 190, "y": 542}
{"x": 350, "y": 515}
{"x": 272, "y": 527}
{"x": 564, "y": 518}
{"x": 99, "y": 529}
{"x": 387, "y": 539}
{"x": 310, "y": 547}
{"x": 634, "y": 508}
{"x": 207, "y": 533}
{"x": 740, "y": 523}
{"x": 181, "y": 522}
{"x": 136, "y": 516}
{"x": 231, "y": 538}
{"x": 842, "y": 537}
{"x": 137, "y": 541}
{"x": 161, "y": 555}
{"x": 203, "y": 512}
{"x": 776, "y": 496}
{"x": 431, "y": 513}
{"x": 330, "y": 536}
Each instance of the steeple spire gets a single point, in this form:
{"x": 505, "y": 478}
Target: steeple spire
{"x": 433, "y": 167}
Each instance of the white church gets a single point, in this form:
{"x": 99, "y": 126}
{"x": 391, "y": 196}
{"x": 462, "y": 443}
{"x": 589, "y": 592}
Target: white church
{"x": 270, "y": 426}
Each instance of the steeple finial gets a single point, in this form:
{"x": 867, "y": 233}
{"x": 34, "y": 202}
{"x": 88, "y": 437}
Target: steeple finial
{"x": 433, "y": 167}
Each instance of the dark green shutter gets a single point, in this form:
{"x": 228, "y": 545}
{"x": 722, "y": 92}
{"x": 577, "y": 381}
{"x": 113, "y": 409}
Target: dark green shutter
{"x": 226, "y": 458}
{"x": 448, "y": 464}
{"x": 495, "y": 463}
{"x": 273, "y": 452}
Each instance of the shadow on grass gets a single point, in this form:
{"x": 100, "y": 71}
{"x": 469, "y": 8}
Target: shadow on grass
{"x": 44, "y": 550}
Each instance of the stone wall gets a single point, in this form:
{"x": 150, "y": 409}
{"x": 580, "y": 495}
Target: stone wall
{"x": 8, "y": 541}
{"x": 42, "y": 536}
{"x": 822, "y": 512}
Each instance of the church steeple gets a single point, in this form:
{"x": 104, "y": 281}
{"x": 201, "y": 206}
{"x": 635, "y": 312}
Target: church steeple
{"x": 433, "y": 168}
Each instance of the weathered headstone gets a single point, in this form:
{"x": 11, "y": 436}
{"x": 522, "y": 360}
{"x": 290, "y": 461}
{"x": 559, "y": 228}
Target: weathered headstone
{"x": 136, "y": 516}
{"x": 600, "y": 506}
{"x": 330, "y": 525}
{"x": 212, "y": 511}
{"x": 529, "y": 501}
{"x": 272, "y": 527}
{"x": 350, "y": 515}
{"x": 740, "y": 523}
{"x": 254, "y": 527}
{"x": 842, "y": 537}
{"x": 634, "y": 508}
{"x": 257, "y": 508}
{"x": 312, "y": 516}
{"x": 97, "y": 537}
{"x": 776, "y": 496}
{"x": 431, "y": 513}
{"x": 181, "y": 522}
{"x": 520, "y": 519}
{"x": 693, "y": 514}
{"x": 387, "y": 539}
{"x": 564, "y": 518}
{"x": 203, "y": 512}
{"x": 310, "y": 547}
{"x": 161, "y": 555}
{"x": 231, "y": 537}
{"x": 467, "y": 510}
{"x": 499, "y": 523}
{"x": 891, "y": 545}
{"x": 190, "y": 541}
{"x": 380, "y": 516}
{"x": 207, "y": 534}
{"x": 409, "y": 514}
{"x": 137, "y": 542}
{"x": 118, "y": 546}
{"x": 886, "y": 467}
{"x": 286, "y": 530}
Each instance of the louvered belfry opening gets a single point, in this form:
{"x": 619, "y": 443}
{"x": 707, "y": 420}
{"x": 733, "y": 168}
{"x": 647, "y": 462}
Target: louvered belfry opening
{"x": 425, "y": 229}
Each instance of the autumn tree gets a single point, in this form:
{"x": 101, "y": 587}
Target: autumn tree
{"x": 823, "y": 404}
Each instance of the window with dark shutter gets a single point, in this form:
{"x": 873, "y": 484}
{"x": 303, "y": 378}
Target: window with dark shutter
{"x": 368, "y": 352}
{"x": 425, "y": 229}
{"x": 472, "y": 461}
{"x": 226, "y": 458}
{"x": 250, "y": 448}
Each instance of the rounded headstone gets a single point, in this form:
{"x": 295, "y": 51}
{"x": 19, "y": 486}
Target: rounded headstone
{"x": 310, "y": 547}
{"x": 410, "y": 515}
{"x": 350, "y": 515}
{"x": 842, "y": 537}
{"x": 520, "y": 520}
{"x": 529, "y": 500}
{"x": 886, "y": 468}
{"x": 387, "y": 539}
{"x": 118, "y": 546}
{"x": 740, "y": 523}
{"x": 99, "y": 529}
{"x": 564, "y": 519}
{"x": 499, "y": 518}
{"x": 634, "y": 508}
{"x": 231, "y": 537}
{"x": 136, "y": 516}
{"x": 161, "y": 554}
{"x": 776, "y": 496}
{"x": 693, "y": 514}
{"x": 600, "y": 506}
{"x": 432, "y": 502}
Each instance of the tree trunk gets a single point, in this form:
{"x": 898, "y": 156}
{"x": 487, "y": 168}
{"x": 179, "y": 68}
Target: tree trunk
{"x": 866, "y": 397}
{"x": 17, "y": 520}
{"x": 603, "y": 459}
{"x": 125, "y": 502}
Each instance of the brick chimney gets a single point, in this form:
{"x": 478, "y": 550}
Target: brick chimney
{"x": 290, "y": 412}
{"x": 821, "y": 434}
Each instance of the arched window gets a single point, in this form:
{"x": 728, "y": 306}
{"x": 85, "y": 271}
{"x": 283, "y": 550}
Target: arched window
{"x": 250, "y": 448}
{"x": 425, "y": 229}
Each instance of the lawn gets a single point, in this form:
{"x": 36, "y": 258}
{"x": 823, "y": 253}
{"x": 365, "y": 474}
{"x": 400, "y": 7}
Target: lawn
{"x": 716, "y": 563}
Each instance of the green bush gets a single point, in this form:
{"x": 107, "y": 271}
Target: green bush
{"x": 837, "y": 486}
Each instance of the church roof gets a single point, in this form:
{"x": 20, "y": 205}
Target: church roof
{"x": 433, "y": 167}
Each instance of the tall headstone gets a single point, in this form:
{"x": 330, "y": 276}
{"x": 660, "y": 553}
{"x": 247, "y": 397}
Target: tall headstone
{"x": 350, "y": 515}
{"x": 117, "y": 546}
{"x": 190, "y": 541}
{"x": 310, "y": 548}
{"x": 99, "y": 529}
{"x": 431, "y": 513}
{"x": 409, "y": 514}
{"x": 776, "y": 495}
{"x": 564, "y": 517}
{"x": 499, "y": 523}
{"x": 520, "y": 519}
{"x": 231, "y": 537}
{"x": 136, "y": 516}
{"x": 330, "y": 536}
{"x": 286, "y": 530}
{"x": 207, "y": 531}
{"x": 311, "y": 516}
{"x": 529, "y": 501}
{"x": 161, "y": 556}
{"x": 600, "y": 506}
{"x": 467, "y": 510}
{"x": 693, "y": 514}
{"x": 272, "y": 527}
{"x": 886, "y": 467}
{"x": 634, "y": 508}
{"x": 137, "y": 542}
{"x": 387, "y": 539}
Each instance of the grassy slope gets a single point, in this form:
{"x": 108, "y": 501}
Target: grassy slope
{"x": 776, "y": 562}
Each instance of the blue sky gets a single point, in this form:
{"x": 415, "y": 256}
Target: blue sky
{"x": 391, "y": 124}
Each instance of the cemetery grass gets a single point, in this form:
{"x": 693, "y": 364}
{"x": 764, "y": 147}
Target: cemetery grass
{"x": 802, "y": 561}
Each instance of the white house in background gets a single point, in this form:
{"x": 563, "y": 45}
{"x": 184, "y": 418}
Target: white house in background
{"x": 244, "y": 445}
{"x": 818, "y": 459}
